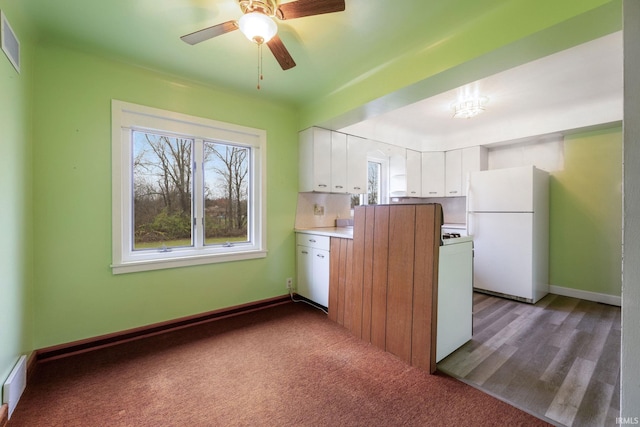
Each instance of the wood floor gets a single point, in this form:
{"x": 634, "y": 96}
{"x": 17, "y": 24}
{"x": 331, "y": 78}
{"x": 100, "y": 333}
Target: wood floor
{"x": 558, "y": 359}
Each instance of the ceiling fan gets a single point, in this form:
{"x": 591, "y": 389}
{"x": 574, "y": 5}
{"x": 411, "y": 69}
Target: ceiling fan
{"x": 257, "y": 23}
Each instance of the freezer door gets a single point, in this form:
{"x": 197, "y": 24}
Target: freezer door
{"x": 501, "y": 190}
{"x": 503, "y": 252}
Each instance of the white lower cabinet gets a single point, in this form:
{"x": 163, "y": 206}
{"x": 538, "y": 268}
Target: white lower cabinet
{"x": 312, "y": 264}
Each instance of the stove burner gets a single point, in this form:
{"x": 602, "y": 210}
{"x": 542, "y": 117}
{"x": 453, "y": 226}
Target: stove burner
{"x": 450, "y": 235}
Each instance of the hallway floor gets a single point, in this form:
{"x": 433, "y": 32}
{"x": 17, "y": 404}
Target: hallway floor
{"x": 558, "y": 359}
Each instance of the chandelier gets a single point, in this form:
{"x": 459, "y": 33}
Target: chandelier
{"x": 469, "y": 107}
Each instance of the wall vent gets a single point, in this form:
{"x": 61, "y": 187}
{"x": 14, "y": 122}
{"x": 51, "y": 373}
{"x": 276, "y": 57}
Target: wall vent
{"x": 15, "y": 384}
{"x": 10, "y": 43}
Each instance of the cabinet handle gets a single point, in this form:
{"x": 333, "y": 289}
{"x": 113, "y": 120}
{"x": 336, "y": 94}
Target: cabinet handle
{"x": 320, "y": 256}
{"x": 312, "y": 241}
{"x": 433, "y": 192}
{"x": 356, "y": 188}
{"x": 305, "y": 252}
{"x": 339, "y": 186}
{"x": 322, "y": 185}
{"x": 413, "y": 192}
{"x": 453, "y": 192}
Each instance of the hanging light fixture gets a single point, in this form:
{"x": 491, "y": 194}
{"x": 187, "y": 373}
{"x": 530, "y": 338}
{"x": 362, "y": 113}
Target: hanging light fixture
{"x": 469, "y": 107}
{"x": 257, "y": 27}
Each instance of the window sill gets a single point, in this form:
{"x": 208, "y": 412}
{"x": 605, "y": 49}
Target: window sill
{"x": 184, "y": 261}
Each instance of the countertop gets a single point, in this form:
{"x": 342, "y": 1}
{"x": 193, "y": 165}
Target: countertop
{"x": 347, "y": 233}
{"x": 342, "y": 232}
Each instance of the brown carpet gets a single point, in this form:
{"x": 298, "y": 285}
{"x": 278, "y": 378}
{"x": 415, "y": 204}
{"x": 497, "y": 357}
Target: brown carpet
{"x": 284, "y": 366}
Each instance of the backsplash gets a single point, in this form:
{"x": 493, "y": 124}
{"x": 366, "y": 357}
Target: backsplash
{"x": 321, "y": 209}
{"x": 453, "y": 208}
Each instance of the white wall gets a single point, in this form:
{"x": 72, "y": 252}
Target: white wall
{"x": 545, "y": 152}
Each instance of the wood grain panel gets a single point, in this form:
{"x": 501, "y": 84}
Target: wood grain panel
{"x": 355, "y": 284}
{"x": 400, "y": 281}
{"x": 334, "y": 278}
{"x": 346, "y": 294}
{"x": 380, "y": 273}
{"x": 342, "y": 279}
{"x": 382, "y": 281}
{"x": 349, "y": 301}
{"x": 425, "y": 282}
{"x": 367, "y": 272}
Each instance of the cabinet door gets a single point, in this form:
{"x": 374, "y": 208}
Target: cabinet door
{"x": 314, "y": 160}
{"x": 338, "y": 162}
{"x": 356, "y": 165}
{"x": 304, "y": 265}
{"x": 414, "y": 173}
{"x": 433, "y": 174}
{"x": 453, "y": 173}
{"x": 320, "y": 286}
{"x": 398, "y": 173}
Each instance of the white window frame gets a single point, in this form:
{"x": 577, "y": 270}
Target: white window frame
{"x": 125, "y": 117}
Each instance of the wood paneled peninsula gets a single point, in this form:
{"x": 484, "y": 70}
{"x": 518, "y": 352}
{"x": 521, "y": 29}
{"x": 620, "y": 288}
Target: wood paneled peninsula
{"x": 383, "y": 277}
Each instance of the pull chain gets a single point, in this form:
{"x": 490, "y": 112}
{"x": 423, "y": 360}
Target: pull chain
{"x": 260, "y": 77}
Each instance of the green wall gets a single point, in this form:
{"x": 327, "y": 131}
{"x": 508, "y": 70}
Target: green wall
{"x": 15, "y": 212}
{"x": 586, "y": 214}
{"x": 55, "y": 175}
{"x": 76, "y": 295}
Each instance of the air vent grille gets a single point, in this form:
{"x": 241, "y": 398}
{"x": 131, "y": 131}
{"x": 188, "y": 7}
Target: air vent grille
{"x": 10, "y": 43}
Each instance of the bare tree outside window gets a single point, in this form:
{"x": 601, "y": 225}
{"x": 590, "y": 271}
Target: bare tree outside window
{"x": 162, "y": 181}
{"x": 374, "y": 189}
{"x": 373, "y": 183}
{"x": 226, "y": 175}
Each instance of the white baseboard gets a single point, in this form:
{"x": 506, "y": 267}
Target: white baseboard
{"x": 586, "y": 295}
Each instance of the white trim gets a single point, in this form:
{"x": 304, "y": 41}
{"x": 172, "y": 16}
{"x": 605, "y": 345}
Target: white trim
{"x": 586, "y": 295}
{"x": 136, "y": 266}
{"x": 126, "y": 116}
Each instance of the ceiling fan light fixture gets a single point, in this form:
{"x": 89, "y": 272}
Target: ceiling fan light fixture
{"x": 469, "y": 107}
{"x": 257, "y": 27}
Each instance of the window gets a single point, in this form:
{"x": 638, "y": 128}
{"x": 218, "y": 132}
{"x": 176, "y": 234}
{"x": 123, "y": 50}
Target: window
{"x": 375, "y": 185}
{"x": 186, "y": 190}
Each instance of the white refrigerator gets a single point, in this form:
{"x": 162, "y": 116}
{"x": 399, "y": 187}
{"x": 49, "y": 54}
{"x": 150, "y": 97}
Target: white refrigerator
{"x": 508, "y": 217}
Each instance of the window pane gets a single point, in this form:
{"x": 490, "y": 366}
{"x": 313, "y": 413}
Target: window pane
{"x": 373, "y": 184}
{"x": 162, "y": 183}
{"x": 226, "y": 190}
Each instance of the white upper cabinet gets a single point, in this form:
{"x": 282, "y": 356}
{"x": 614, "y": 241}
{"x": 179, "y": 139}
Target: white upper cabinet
{"x": 398, "y": 172}
{"x": 453, "y": 173}
{"x": 338, "y": 162}
{"x": 414, "y": 173}
{"x": 433, "y": 174}
{"x": 332, "y": 162}
{"x": 314, "y": 160}
{"x": 357, "y": 149}
{"x": 458, "y": 164}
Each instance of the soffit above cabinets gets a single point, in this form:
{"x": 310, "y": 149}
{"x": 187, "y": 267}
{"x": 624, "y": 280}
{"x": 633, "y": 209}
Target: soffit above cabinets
{"x": 575, "y": 88}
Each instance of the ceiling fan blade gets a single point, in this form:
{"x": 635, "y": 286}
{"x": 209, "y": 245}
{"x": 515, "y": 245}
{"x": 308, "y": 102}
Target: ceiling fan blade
{"x": 209, "y": 33}
{"x": 281, "y": 53}
{"x": 301, "y": 8}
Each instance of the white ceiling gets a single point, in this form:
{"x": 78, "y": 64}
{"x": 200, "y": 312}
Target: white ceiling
{"x": 575, "y": 88}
